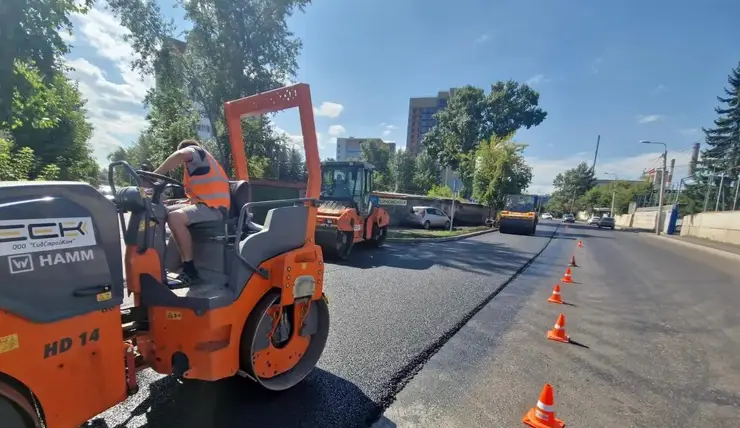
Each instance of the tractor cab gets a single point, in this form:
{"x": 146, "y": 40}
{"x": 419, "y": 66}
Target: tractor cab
{"x": 348, "y": 182}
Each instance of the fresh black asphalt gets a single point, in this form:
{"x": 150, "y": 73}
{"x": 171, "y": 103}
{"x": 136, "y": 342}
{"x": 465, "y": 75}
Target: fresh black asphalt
{"x": 391, "y": 309}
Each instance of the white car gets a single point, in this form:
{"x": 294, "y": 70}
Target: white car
{"x": 593, "y": 220}
{"x": 430, "y": 217}
{"x": 546, "y": 216}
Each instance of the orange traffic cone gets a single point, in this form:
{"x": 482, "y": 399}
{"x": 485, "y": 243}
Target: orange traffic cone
{"x": 567, "y": 277}
{"x": 543, "y": 416}
{"x": 555, "y": 298}
{"x": 558, "y": 331}
{"x": 580, "y": 244}
{"x": 573, "y": 261}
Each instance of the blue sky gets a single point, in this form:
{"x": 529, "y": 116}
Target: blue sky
{"x": 626, "y": 70}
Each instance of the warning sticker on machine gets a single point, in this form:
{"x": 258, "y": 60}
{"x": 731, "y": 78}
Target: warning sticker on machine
{"x": 45, "y": 234}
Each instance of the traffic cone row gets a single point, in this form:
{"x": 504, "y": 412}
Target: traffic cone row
{"x": 543, "y": 414}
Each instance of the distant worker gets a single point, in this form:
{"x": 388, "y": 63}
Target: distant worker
{"x": 208, "y": 193}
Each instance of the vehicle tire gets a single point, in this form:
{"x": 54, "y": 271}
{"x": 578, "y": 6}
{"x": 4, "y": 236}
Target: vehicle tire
{"x": 12, "y": 416}
{"x": 599, "y": 226}
{"x": 257, "y": 332}
{"x": 427, "y": 225}
{"x": 612, "y": 228}
{"x": 344, "y": 244}
{"x": 447, "y": 225}
{"x": 379, "y": 235}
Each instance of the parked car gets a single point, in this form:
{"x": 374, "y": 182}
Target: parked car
{"x": 607, "y": 222}
{"x": 593, "y": 220}
{"x": 430, "y": 217}
{"x": 546, "y": 216}
{"x": 569, "y": 218}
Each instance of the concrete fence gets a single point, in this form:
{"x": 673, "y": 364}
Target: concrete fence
{"x": 723, "y": 226}
{"x": 399, "y": 207}
{"x": 644, "y": 218}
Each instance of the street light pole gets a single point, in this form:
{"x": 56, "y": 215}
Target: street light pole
{"x": 614, "y": 191}
{"x": 662, "y": 183}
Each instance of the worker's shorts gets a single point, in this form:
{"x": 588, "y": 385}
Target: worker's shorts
{"x": 197, "y": 213}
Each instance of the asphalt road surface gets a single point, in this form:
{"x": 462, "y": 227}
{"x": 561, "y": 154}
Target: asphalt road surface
{"x": 391, "y": 310}
{"x": 659, "y": 327}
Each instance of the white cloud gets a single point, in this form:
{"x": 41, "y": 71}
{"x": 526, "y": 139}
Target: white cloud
{"x": 114, "y": 92}
{"x": 329, "y": 109}
{"x": 649, "y": 118}
{"x": 483, "y": 38}
{"x": 388, "y": 128}
{"x": 596, "y": 65}
{"x": 336, "y": 130}
{"x": 327, "y": 144}
{"x": 626, "y": 168}
{"x": 537, "y": 79}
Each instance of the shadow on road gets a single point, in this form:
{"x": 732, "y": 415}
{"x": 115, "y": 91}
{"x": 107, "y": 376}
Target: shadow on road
{"x": 322, "y": 399}
{"x": 469, "y": 255}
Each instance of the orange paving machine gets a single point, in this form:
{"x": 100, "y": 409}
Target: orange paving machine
{"x": 68, "y": 351}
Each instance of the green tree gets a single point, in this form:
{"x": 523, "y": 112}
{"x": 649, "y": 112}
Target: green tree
{"x": 569, "y": 187}
{"x": 31, "y": 34}
{"x": 232, "y": 50}
{"x": 48, "y": 117}
{"x": 471, "y": 116}
{"x": 16, "y": 165}
{"x": 378, "y": 154}
{"x": 426, "y": 172}
{"x": 722, "y": 154}
{"x": 402, "y": 167}
{"x": 501, "y": 170}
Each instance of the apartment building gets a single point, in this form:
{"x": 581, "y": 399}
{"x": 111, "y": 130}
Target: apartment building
{"x": 421, "y": 120}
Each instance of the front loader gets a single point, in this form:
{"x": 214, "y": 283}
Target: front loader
{"x": 347, "y": 215}
{"x": 68, "y": 351}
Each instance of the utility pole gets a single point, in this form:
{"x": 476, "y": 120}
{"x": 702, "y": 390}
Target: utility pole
{"x": 658, "y": 223}
{"x": 596, "y": 154}
{"x": 614, "y": 191}
{"x": 719, "y": 191}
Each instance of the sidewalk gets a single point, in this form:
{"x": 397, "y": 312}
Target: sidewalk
{"x": 715, "y": 247}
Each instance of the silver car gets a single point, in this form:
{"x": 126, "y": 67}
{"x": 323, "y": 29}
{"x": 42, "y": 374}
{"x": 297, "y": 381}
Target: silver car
{"x": 430, "y": 217}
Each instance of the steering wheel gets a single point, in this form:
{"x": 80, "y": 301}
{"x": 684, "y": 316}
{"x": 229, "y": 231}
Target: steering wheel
{"x": 152, "y": 177}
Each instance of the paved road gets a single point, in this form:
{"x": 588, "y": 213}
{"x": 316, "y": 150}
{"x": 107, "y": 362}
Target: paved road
{"x": 391, "y": 309}
{"x": 661, "y": 323}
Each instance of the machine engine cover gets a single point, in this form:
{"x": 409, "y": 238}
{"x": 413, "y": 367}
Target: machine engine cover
{"x": 60, "y": 250}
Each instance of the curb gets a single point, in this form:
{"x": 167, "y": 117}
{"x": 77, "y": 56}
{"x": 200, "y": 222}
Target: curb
{"x": 443, "y": 239}
{"x": 710, "y": 250}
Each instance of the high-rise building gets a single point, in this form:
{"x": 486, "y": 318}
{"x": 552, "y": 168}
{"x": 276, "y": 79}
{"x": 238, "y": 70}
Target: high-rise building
{"x": 421, "y": 120}
{"x": 350, "y": 148}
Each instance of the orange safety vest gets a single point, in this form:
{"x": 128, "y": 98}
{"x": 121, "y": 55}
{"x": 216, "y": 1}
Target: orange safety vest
{"x": 211, "y": 189}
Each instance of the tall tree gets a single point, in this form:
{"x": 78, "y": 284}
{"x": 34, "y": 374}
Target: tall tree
{"x": 31, "y": 32}
{"x": 501, "y": 170}
{"x": 569, "y": 187}
{"x": 232, "y": 50}
{"x": 426, "y": 172}
{"x": 722, "y": 156}
{"x": 402, "y": 171}
{"x": 49, "y": 118}
{"x": 377, "y": 153}
{"x": 471, "y": 117}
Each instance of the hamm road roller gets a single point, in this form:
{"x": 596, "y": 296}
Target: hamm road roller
{"x": 68, "y": 351}
{"x": 519, "y": 215}
{"x": 347, "y": 215}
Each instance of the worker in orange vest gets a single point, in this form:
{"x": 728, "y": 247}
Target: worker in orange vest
{"x": 207, "y": 189}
